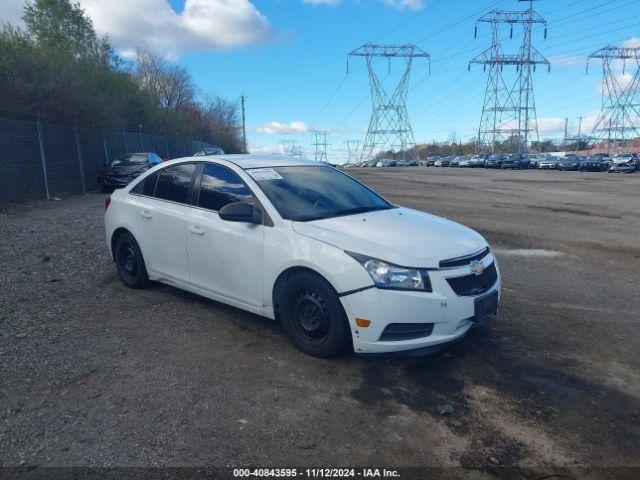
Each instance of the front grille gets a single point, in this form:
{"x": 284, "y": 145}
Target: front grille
{"x": 406, "y": 331}
{"x": 465, "y": 260}
{"x": 471, "y": 285}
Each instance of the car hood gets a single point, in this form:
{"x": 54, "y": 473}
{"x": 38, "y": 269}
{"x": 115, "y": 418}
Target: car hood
{"x": 402, "y": 236}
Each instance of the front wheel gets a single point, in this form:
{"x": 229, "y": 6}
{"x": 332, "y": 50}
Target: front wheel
{"x": 313, "y": 317}
{"x": 129, "y": 262}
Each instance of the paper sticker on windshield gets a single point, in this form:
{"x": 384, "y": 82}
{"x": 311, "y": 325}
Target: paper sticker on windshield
{"x": 260, "y": 174}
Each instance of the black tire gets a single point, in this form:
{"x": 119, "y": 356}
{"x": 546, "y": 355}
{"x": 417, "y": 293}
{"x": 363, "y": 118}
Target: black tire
{"x": 129, "y": 262}
{"x": 313, "y": 317}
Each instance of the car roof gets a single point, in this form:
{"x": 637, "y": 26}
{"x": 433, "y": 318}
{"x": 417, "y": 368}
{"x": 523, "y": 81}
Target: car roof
{"x": 247, "y": 161}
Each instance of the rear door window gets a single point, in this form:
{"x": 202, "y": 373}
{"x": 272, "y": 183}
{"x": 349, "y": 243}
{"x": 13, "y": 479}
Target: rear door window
{"x": 174, "y": 183}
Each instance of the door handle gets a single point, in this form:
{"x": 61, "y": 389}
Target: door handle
{"x": 196, "y": 230}
{"x": 146, "y": 214}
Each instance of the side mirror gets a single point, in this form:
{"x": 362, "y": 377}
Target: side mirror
{"x": 240, "y": 212}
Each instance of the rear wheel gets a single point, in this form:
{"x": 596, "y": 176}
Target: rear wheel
{"x": 129, "y": 262}
{"x": 313, "y": 317}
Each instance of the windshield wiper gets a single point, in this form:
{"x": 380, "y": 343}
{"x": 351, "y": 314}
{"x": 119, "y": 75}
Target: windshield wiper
{"x": 356, "y": 210}
{"x": 343, "y": 213}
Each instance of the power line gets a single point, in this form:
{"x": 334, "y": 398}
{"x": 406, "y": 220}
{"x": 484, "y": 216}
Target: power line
{"x": 389, "y": 126}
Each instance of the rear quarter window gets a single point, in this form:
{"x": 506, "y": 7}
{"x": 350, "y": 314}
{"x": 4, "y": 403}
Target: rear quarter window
{"x": 147, "y": 186}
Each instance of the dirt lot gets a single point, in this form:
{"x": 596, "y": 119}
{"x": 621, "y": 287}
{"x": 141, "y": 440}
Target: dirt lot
{"x": 95, "y": 374}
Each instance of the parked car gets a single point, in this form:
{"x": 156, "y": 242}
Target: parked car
{"x": 549, "y": 163}
{"x": 593, "y": 164}
{"x": 571, "y": 162}
{"x": 476, "y": 161}
{"x": 431, "y": 162}
{"x": 406, "y": 163}
{"x": 125, "y": 168}
{"x": 495, "y": 160}
{"x": 606, "y": 158}
{"x": 455, "y": 162}
{"x": 214, "y": 150}
{"x": 623, "y": 163}
{"x": 442, "y": 162}
{"x": 516, "y": 161}
{"x": 535, "y": 159}
{"x": 286, "y": 239}
{"x": 465, "y": 162}
{"x": 387, "y": 163}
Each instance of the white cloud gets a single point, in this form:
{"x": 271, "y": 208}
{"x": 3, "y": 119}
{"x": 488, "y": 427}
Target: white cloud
{"x": 554, "y": 126}
{"x": 402, "y": 4}
{"x": 550, "y": 126}
{"x": 279, "y": 128}
{"x": 203, "y": 24}
{"x": 633, "y": 42}
{"x": 622, "y": 82}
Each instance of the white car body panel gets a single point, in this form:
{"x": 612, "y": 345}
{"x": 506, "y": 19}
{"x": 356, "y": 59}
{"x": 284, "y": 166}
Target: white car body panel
{"x": 225, "y": 257}
{"x": 238, "y": 263}
{"x": 401, "y": 236}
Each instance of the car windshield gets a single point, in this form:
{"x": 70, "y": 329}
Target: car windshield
{"x": 305, "y": 193}
{"x": 130, "y": 159}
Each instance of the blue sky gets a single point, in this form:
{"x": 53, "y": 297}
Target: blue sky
{"x": 291, "y": 78}
{"x": 289, "y": 58}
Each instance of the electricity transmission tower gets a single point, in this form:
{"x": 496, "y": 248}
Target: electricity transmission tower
{"x": 389, "y": 126}
{"x": 509, "y": 111}
{"x": 353, "y": 151}
{"x": 320, "y": 145}
{"x": 619, "y": 120}
{"x": 291, "y": 148}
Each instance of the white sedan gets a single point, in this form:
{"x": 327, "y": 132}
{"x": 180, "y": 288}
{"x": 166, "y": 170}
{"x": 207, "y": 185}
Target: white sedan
{"x": 338, "y": 265}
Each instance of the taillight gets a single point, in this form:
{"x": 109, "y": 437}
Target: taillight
{"x": 107, "y": 201}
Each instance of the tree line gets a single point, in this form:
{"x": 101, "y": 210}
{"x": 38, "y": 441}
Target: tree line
{"x": 57, "y": 68}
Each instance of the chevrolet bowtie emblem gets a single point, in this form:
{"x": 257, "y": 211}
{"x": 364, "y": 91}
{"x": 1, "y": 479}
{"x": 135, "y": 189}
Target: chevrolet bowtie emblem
{"x": 477, "y": 267}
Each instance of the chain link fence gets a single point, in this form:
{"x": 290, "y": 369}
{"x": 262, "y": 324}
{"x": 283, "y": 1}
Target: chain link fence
{"x": 47, "y": 160}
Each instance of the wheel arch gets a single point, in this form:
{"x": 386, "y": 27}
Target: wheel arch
{"x": 114, "y": 238}
{"x": 284, "y": 276}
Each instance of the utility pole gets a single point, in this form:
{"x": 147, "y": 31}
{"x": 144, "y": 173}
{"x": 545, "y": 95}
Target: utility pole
{"x": 619, "y": 120}
{"x": 244, "y": 130}
{"x": 579, "y": 133}
{"x": 389, "y": 126}
{"x": 566, "y": 129}
{"x": 508, "y": 111}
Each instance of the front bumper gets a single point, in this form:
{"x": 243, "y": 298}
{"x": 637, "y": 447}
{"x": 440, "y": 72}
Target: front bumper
{"x": 452, "y": 316}
{"x": 622, "y": 168}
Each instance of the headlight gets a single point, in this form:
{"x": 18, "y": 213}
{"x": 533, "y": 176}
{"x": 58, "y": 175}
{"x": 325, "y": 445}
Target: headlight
{"x": 393, "y": 277}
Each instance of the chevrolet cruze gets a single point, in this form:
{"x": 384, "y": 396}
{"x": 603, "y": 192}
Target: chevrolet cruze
{"x": 306, "y": 244}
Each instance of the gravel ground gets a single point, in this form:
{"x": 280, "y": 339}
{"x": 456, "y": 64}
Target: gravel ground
{"x": 95, "y": 374}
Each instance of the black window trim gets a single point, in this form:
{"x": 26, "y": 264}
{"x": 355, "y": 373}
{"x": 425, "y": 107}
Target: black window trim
{"x": 157, "y": 174}
{"x": 266, "y": 219}
{"x": 194, "y": 189}
{"x": 366, "y": 187}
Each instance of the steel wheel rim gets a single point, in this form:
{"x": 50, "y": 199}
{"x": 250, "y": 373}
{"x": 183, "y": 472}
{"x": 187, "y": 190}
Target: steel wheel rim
{"x": 127, "y": 259}
{"x": 310, "y": 316}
